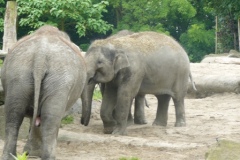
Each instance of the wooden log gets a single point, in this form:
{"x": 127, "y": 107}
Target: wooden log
{"x": 221, "y": 60}
{"x": 214, "y": 78}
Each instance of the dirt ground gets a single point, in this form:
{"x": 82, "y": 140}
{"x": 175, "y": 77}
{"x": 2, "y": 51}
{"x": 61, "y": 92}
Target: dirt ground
{"x": 208, "y": 120}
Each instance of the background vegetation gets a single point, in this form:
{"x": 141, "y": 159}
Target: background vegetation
{"x": 190, "y": 22}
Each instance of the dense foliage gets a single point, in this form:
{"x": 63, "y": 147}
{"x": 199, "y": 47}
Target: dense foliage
{"x": 80, "y": 14}
{"x": 191, "y": 22}
{"x": 228, "y": 12}
{"x": 2, "y": 9}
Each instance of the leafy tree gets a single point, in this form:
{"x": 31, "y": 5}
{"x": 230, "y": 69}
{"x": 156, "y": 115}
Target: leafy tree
{"x": 169, "y": 16}
{"x": 2, "y": 10}
{"x": 228, "y": 12}
{"x": 185, "y": 20}
{"x": 198, "y": 41}
{"x": 82, "y": 15}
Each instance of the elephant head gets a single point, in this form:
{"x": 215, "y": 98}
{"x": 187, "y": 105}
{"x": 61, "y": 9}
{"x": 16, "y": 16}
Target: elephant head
{"x": 103, "y": 62}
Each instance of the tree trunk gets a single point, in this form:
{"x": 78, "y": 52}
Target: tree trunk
{"x": 10, "y": 19}
{"x": 239, "y": 33}
{"x": 216, "y": 35}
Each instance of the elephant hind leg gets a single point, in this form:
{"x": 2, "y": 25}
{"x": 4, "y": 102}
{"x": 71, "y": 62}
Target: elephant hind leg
{"x": 51, "y": 114}
{"x": 14, "y": 112}
{"x": 139, "y": 115}
{"x": 34, "y": 144}
{"x": 180, "y": 112}
{"x": 162, "y": 110}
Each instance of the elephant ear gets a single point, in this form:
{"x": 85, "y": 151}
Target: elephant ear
{"x": 120, "y": 61}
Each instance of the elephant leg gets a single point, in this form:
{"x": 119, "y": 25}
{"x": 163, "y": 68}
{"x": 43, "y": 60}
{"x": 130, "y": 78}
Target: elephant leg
{"x": 15, "y": 111}
{"x": 121, "y": 115}
{"x": 34, "y": 144}
{"x": 130, "y": 116}
{"x": 126, "y": 93}
{"x": 162, "y": 110}
{"x": 180, "y": 112}
{"x": 51, "y": 114}
{"x": 139, "y": 115}
{"x": 107, "y": 108}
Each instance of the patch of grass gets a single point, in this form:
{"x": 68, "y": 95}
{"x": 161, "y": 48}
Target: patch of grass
{"x": 1, "y": 62}
{"x": 132, "y": 158}
{"x": 67, "y": 120}
{"x": 97, "y": 94}
{"x": 20, "y": 157}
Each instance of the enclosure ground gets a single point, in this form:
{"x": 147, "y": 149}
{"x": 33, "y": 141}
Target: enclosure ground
{"x": 208, "y": 119}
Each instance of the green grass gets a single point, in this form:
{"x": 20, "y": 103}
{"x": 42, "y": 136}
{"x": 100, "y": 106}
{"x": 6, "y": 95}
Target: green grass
{"x": 67, "y": 120}
{"x": 20, "y": 157}
{"x": 97, "y": 95}
{"x": 1, "y": 63}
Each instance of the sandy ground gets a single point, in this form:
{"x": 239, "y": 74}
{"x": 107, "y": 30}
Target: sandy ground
{"x": 208, "y": 120}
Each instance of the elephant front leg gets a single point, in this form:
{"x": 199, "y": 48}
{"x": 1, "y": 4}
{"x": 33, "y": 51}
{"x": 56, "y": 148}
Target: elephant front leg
{"x": 139, "y": 115}
{"x": 121, "y": 115}
{"x": 107, "y": 108}
{"x": 180, "y": 112}
{"x": 124, "y": 101}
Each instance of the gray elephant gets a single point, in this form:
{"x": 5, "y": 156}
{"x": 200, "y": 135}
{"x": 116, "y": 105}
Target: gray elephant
{"x": 139, "y": 116}
{"x": 42, "y": 76}
{"x": 135, "y": 65}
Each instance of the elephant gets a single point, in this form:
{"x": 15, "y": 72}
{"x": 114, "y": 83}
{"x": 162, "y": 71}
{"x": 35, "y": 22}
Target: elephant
{"x": 139, "y": 116}
{"x": 133, "y": 66}
{"x": 43, "y": 75}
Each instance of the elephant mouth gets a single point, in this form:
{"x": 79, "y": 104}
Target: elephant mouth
{"x": 91, "y": 81}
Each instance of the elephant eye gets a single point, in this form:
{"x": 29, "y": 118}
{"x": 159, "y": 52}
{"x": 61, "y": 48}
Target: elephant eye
{"x": 100, "y": 63}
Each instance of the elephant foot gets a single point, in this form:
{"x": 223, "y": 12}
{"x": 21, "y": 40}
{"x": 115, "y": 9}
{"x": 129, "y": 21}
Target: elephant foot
{"x": 108, "y": 130}
{"x": 33, "y": 150}
{"x": 34, "y": 153}
{"x": 119, "y": 131}
{"x": 140, "y": 121}
{"x": 130, "y": 122}
{"x": 159, "y": 123}
{"x": 180, "y": 124}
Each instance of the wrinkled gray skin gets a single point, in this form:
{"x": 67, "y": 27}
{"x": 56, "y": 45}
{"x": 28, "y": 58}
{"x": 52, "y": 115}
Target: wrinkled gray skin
{"x": 42, "y": 76}
{"x": 135, "y": 65}
{"x": 139, "y": 116}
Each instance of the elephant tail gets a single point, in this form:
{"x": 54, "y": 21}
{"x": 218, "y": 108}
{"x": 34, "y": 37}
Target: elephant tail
{"x": 39, "y": 70}
{"x": 193, "y": 84}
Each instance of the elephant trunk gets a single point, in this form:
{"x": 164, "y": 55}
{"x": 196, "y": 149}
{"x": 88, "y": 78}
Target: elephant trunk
{"x": 87, "y": 95}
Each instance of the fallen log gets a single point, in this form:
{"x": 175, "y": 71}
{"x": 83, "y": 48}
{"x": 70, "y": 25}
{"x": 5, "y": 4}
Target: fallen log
{"x": 221, "y": 60}
{"x": 214, "y": 78}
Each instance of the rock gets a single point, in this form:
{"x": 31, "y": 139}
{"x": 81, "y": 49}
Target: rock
{"x": 232, "y": 51}
{"x": 224, "y": 150}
